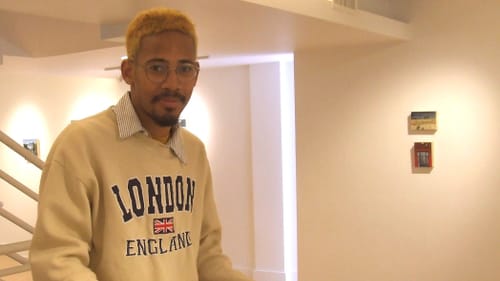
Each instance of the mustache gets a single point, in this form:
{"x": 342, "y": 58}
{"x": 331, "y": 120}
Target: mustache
{"x": 170, "y": 94}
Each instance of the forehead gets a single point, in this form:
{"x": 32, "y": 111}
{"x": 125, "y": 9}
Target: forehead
{"x": 167, "y": 45}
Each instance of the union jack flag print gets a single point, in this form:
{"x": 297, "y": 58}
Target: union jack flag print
{"x": 163, "y": 225}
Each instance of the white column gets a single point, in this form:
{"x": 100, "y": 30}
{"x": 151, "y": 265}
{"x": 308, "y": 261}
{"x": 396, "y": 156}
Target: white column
{"x": 273, "y": 153}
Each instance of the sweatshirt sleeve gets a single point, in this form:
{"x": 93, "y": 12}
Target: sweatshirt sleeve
{"x": 213, "y": 264}
{"x": 63, "y": 233}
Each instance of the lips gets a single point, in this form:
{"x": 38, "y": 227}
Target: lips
{"x": 170, "y": 98}
{"x": 170, "y": 101}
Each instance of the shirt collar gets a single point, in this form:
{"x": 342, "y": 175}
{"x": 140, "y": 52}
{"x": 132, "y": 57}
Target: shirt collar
{"x": 129, "y": 124}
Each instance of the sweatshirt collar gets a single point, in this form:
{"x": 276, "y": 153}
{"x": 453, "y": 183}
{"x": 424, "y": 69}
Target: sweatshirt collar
{"x": 129, "y": 125}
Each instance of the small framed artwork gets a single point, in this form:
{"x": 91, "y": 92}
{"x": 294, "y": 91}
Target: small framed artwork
{"x": 423, "y": 121}
{"x": 32, "y": 145}
{"x": 422, "y": 155}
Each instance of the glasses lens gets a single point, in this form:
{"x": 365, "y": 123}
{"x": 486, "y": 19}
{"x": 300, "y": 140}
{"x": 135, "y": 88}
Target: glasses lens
{"x": 186, "y": 71}
{"x": 156, "y": 71}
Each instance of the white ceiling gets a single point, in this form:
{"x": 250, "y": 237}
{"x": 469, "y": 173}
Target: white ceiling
{"x": 82, "y": 37}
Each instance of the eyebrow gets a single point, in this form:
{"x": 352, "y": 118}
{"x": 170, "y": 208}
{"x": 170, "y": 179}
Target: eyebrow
{"x": 167, "y": 62}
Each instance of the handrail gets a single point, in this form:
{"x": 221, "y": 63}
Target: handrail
{"x": 15, "y": 247}
{"x": 17, "y": 221}
{"x": 21, "y": 187}
{"x": 17, "y": 257}
{"x": 11, "y": 250}
{"x": 8, "y": 141}
{"x": 15, "y": 270}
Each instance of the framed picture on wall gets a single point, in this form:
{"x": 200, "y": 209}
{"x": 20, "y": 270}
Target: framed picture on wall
{"x": 32, "y": 145}
{"x": 423, "y": 121}
{"x": 422, "y": 154}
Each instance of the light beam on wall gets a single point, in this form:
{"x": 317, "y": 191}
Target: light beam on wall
{"x": 288, "y": 163}
{"x": 28, "y": 122}
{"x": 197, "y": 118}
{"x": 90, "y": 104}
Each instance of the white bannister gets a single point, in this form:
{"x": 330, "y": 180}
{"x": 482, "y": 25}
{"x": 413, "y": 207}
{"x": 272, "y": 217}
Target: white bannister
{"x": 17, "y": 221}
{"x": 15, "y": 247}
{"x": 17, "y": 257}
{"x": 14, "y": 270}
{"x": 21, "y": 187}
{"x": 11, "y": 250}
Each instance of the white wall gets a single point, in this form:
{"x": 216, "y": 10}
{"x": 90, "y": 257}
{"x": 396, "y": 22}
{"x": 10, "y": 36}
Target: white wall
{"x": 39, "y": 106}
{"x": 362, "y": 213}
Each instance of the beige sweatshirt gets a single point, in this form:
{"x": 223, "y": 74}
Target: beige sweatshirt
{"x": 126, "y": 209}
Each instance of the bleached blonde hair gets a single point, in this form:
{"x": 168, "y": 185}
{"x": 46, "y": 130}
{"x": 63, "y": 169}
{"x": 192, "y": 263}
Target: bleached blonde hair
{"x": 157, "y": 20}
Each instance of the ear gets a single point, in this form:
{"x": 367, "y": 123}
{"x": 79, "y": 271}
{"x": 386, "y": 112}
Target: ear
{"x": 127, "y": 71}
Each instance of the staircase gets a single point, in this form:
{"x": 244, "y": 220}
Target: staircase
{"x": 16, "y": 267}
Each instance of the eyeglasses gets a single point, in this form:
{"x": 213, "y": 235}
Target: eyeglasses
{"x": 157, "y": 71}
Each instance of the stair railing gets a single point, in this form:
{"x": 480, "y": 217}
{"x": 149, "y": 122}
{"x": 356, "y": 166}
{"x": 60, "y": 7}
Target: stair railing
{"x": 12, "y": 250}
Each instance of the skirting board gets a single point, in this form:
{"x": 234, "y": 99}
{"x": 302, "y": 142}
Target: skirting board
{"x": 259, "y": 275}
{"x": 262, "y": 275}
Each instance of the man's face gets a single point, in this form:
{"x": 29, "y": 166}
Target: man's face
{"x": 159, "y": 102}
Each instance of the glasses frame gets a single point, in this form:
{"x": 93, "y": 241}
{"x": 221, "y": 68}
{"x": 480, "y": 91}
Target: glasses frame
{"x": 147, "y": 71}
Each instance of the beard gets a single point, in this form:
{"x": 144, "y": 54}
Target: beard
{"x": 168, "y": 118}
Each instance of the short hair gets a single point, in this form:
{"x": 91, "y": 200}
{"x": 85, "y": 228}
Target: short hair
{"x": 154, "y": 21}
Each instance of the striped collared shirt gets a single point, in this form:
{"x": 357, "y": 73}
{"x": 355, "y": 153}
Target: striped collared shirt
{"x": 129, "y": 124}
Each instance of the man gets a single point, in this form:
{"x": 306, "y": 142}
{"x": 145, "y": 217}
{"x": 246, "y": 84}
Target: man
{"x": 127, "y": 194}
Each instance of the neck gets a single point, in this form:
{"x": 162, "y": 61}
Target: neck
{"x": 161, "y": 134}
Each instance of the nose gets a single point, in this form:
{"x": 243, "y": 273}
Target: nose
{"x": 171, "y": 81}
